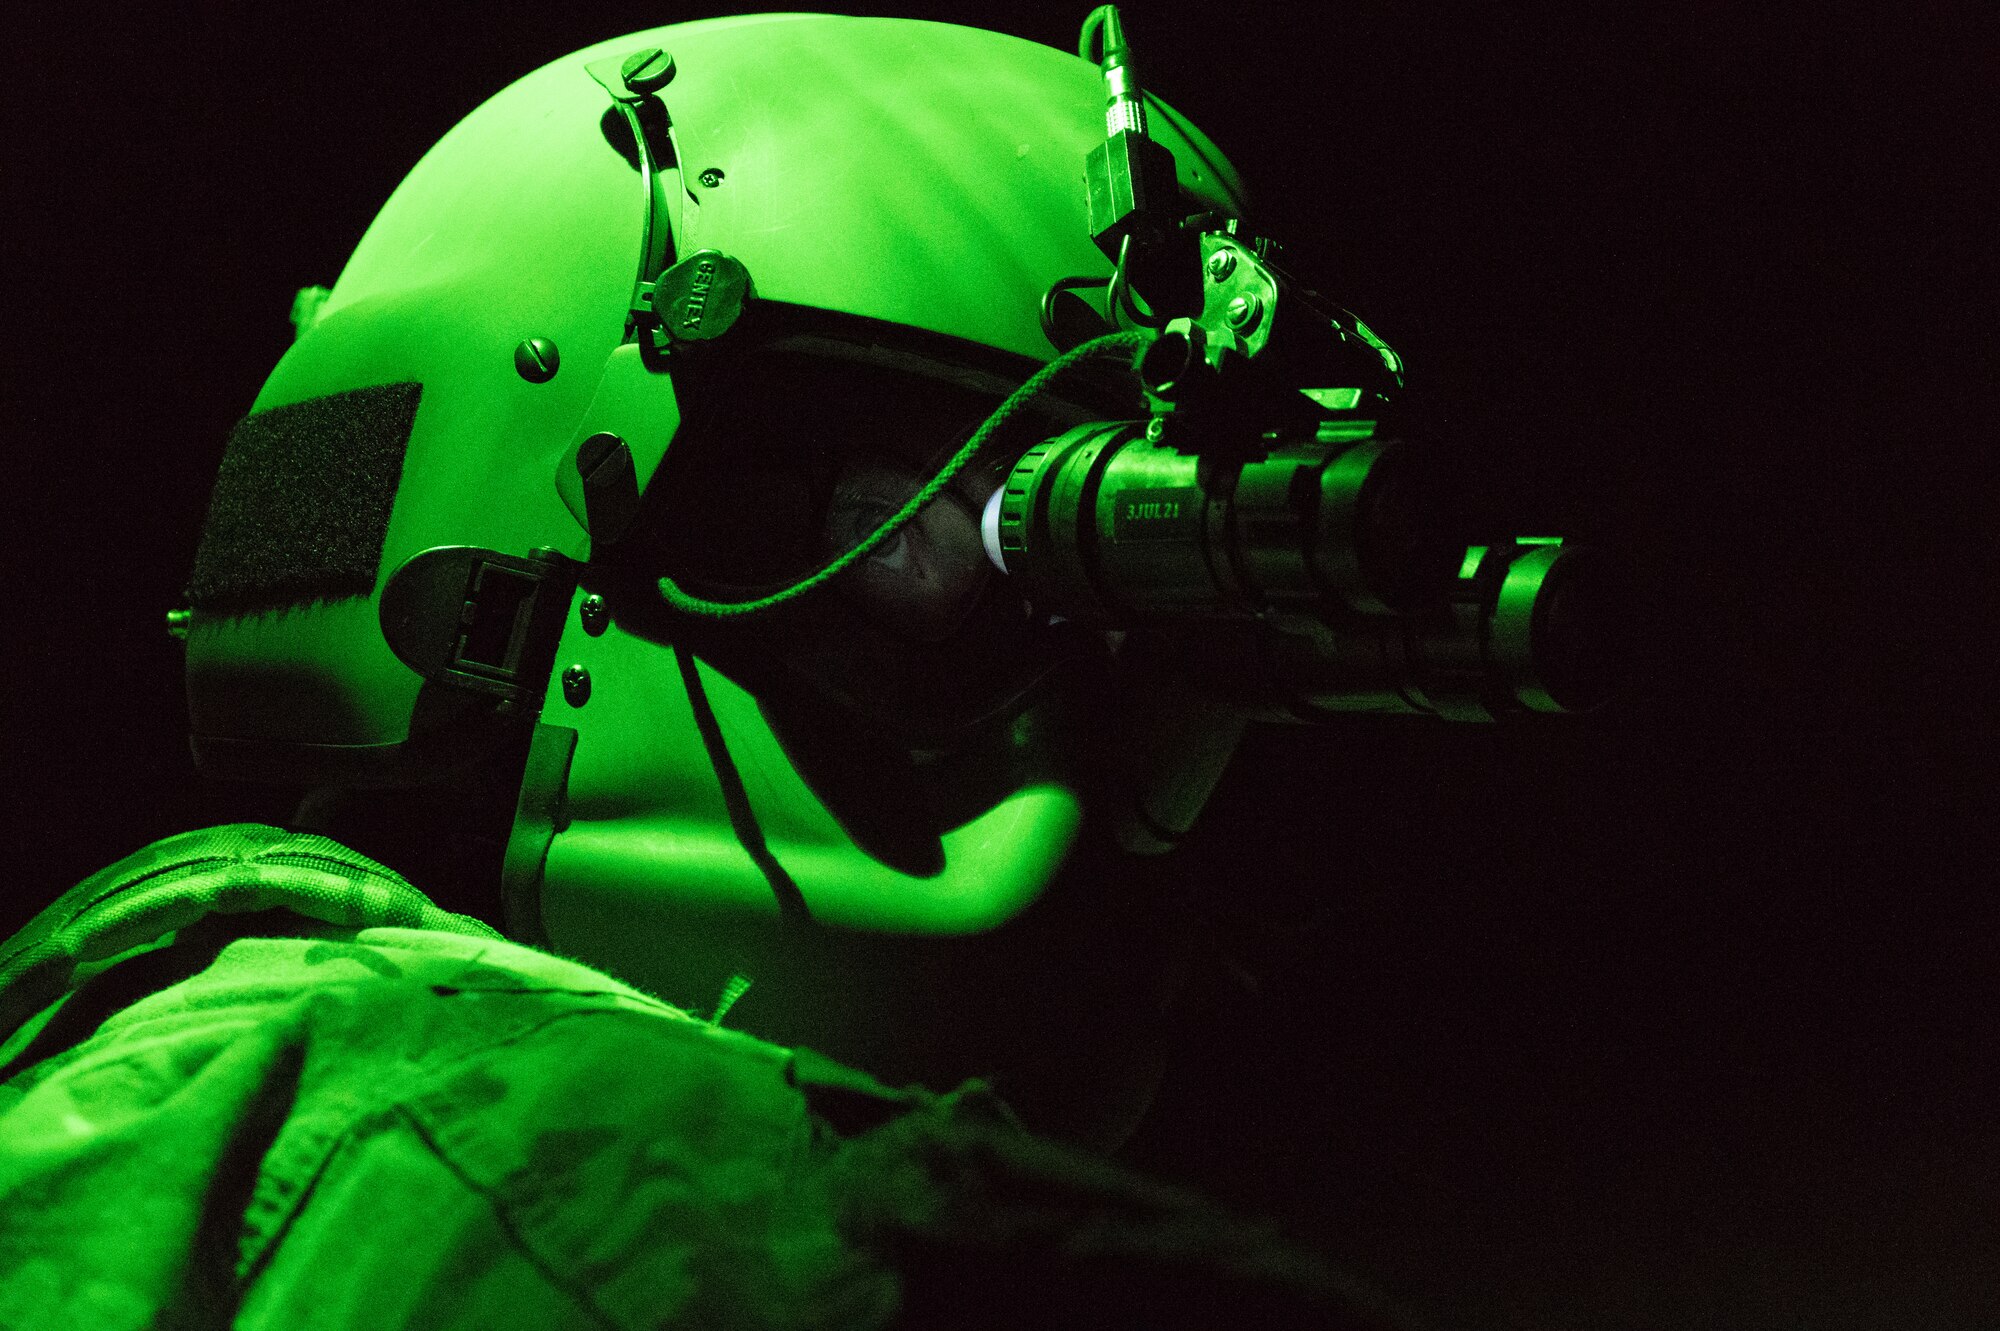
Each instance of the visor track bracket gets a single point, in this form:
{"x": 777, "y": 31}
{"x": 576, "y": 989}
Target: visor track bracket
{"x": 633, "y": 83}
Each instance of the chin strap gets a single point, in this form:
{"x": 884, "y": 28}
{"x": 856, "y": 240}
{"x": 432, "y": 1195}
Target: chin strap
{"x": 1131, "y": 342}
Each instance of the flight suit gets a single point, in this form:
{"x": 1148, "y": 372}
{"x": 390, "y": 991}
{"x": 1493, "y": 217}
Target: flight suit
{"x": 251, "y": 1078}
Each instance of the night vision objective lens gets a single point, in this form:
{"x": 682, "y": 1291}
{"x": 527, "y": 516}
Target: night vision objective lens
{"x": 1101, "y": 525}
{"x": 1307, "y": 582}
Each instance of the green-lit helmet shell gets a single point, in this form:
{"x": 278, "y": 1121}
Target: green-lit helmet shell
{"x": 920, "y": 174}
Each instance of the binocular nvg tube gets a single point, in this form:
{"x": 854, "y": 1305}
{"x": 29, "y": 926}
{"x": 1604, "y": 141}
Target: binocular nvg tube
{"x": 1307, "y": 582}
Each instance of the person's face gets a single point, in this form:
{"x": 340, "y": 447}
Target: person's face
{"x": 912, "y": 695}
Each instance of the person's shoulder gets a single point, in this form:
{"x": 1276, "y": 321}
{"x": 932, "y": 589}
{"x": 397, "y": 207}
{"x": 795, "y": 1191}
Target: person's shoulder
{"x": 236, "y": 869}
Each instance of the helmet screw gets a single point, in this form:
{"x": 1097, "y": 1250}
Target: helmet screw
{"x": 711, "y": 177}
{"x": 576, "y": 685}
{"x": 593, "y": 615}
{"x": 536, "y": 360}
{"x": 1221, "y": 264}
{"x": 647, "y": 71}
{"x": 1244, "y": 312}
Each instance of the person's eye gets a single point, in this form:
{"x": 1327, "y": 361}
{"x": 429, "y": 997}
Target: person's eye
{"x": 893, "y": 554}
{"x": 855, "y": 517}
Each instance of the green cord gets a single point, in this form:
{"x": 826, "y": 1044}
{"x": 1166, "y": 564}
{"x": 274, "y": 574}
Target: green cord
{"x": 1019, "y": 398}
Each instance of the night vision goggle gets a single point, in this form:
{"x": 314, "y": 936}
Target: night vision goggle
{"x": 1257, "y": 527}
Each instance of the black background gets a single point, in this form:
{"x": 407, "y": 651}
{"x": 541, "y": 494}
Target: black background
{"x": 1677, "y": 1016}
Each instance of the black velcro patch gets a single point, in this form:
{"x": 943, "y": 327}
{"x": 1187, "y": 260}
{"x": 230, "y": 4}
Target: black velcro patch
{"x": 301, "y": 506}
